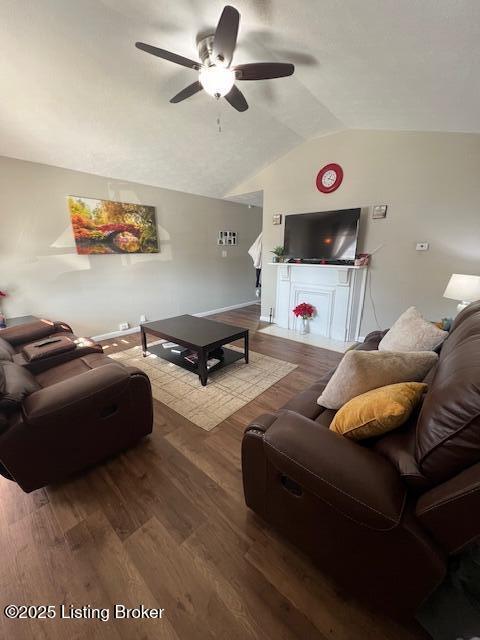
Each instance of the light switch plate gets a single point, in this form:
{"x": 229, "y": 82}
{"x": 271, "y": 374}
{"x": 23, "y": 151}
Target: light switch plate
{"x": 379, "y": 211}
{"x": 224, "y": 253}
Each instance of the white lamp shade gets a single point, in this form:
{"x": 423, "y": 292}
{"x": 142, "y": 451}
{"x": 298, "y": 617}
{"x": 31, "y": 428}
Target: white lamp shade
{"x": 463, "y": 287}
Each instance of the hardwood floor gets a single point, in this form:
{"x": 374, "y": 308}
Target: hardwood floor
{"x": 165, "y": 525}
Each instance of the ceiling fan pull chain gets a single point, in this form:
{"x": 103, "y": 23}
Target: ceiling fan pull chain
{"x": 219, "y": 123}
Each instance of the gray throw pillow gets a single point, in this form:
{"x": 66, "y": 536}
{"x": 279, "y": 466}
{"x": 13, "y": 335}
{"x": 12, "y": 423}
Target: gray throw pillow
{"x": 362, "y": 371}
{"x": 411, "y": 332}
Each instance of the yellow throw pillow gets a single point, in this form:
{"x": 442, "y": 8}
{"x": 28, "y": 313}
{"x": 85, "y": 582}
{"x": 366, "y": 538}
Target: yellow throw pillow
{"x": 378, "y": 411}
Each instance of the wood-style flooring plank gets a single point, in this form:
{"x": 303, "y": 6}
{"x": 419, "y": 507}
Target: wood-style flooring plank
{"x": 107, "y": 569}
{"x": 221, "y": 554}
{"x": 194, "y": 608}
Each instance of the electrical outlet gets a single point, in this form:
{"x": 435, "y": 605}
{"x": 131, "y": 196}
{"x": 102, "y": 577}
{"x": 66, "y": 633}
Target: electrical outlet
{"x": 123, "y": 326}
{"x": 422, "y": 246}
{"x": 143, "y": 318}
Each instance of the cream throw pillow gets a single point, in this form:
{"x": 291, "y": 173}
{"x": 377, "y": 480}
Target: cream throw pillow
{"x": 362, "y": 371}
{"x": 412, "y": 333}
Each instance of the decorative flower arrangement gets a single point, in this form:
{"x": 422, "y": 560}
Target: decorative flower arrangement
{"x": 304, "y": 310}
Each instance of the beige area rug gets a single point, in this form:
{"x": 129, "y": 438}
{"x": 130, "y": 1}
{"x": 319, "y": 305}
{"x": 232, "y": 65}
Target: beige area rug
{"x": 227, "y": 391}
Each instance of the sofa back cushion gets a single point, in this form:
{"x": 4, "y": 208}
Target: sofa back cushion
{"x": 448, "y": 429}
{"x": 15, "y": 384}
{"x": 6, "y": 350}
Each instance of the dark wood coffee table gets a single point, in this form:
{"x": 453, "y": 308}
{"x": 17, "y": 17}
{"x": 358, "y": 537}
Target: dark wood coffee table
{"x": 205, "y": 337}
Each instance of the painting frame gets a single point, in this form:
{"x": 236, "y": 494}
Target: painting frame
{"x": 112, "y": 227}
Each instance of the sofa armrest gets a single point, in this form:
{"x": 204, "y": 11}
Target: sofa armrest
{"x": 448, "y": 510}
{"x": 262, "y": 423}
{"x": 352, "y": 479}
{"x": 39, "y": 365}
{"x": 30, "y": 331}
{"x": 91, "y": 390}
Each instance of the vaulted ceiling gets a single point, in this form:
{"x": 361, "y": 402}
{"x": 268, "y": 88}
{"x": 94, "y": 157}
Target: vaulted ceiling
{"x": 76, "y": 93}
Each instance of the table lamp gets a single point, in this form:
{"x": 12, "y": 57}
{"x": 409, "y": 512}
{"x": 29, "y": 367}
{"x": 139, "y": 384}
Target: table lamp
{"x": 464, "y": 288}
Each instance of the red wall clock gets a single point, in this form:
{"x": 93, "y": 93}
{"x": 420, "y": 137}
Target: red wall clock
{"x": 329, "y": 178}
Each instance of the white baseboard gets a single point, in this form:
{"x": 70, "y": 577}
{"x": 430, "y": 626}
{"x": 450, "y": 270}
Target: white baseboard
{"x": 115, "y": 334}
{"x": 126, "y": 332}
{"x": 233, "y": 306}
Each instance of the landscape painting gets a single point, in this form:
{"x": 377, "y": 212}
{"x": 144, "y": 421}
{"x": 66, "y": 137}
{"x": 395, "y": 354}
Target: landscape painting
{"x": 105, "y": 226}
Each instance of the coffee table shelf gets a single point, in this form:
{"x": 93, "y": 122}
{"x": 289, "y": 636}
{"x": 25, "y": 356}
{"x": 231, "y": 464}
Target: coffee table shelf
{"x": 229, "y": 357}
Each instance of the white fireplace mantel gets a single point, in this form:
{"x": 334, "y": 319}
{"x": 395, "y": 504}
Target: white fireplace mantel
{"x": 336, "y": 291}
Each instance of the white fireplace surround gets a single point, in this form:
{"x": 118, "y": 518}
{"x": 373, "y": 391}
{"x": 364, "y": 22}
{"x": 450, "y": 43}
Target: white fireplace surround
{"x": 336, "y": 291}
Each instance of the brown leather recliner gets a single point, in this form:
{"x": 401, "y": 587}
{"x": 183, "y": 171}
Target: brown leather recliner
{"x": 53, "y": 341}
{"x": 382, "y": 516}
{"x": 20, "y": 334}
{"x": 68, "y": 416}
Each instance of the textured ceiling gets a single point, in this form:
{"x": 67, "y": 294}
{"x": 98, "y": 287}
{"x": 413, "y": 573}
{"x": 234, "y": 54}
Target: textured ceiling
{"x": 76, "y": 93}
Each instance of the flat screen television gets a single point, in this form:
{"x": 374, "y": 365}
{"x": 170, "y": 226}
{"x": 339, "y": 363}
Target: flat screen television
{"x": 329, "y": 236}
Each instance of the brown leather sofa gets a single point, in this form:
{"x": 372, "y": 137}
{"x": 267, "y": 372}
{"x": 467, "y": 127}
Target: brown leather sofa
{"x": 58, "y": 419}
{"x": 381, "y": 517}
{"x": 20, "y": 334}
{"x": 53, "y": 341}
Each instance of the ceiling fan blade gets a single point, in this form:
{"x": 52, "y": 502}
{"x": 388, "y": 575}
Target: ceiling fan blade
{"x": 168, "y": 55}
{"x": 263, "y": 70}
{"x": 225, "y": 38}
{"x": 236, "y": 98}
{"x": 189, "y": 91}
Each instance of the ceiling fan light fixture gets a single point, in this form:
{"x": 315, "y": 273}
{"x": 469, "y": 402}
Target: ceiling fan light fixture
{"x": 217, "y": 80}
{"x": 216, "y": 76}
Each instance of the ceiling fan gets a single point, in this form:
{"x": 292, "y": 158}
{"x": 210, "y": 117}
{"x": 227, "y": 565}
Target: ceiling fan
{"x": 216, "y": 75}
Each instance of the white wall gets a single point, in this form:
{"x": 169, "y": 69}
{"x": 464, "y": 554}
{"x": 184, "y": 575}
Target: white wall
{"x": 44, "y": 276}
{"x": 431, "y": 184}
